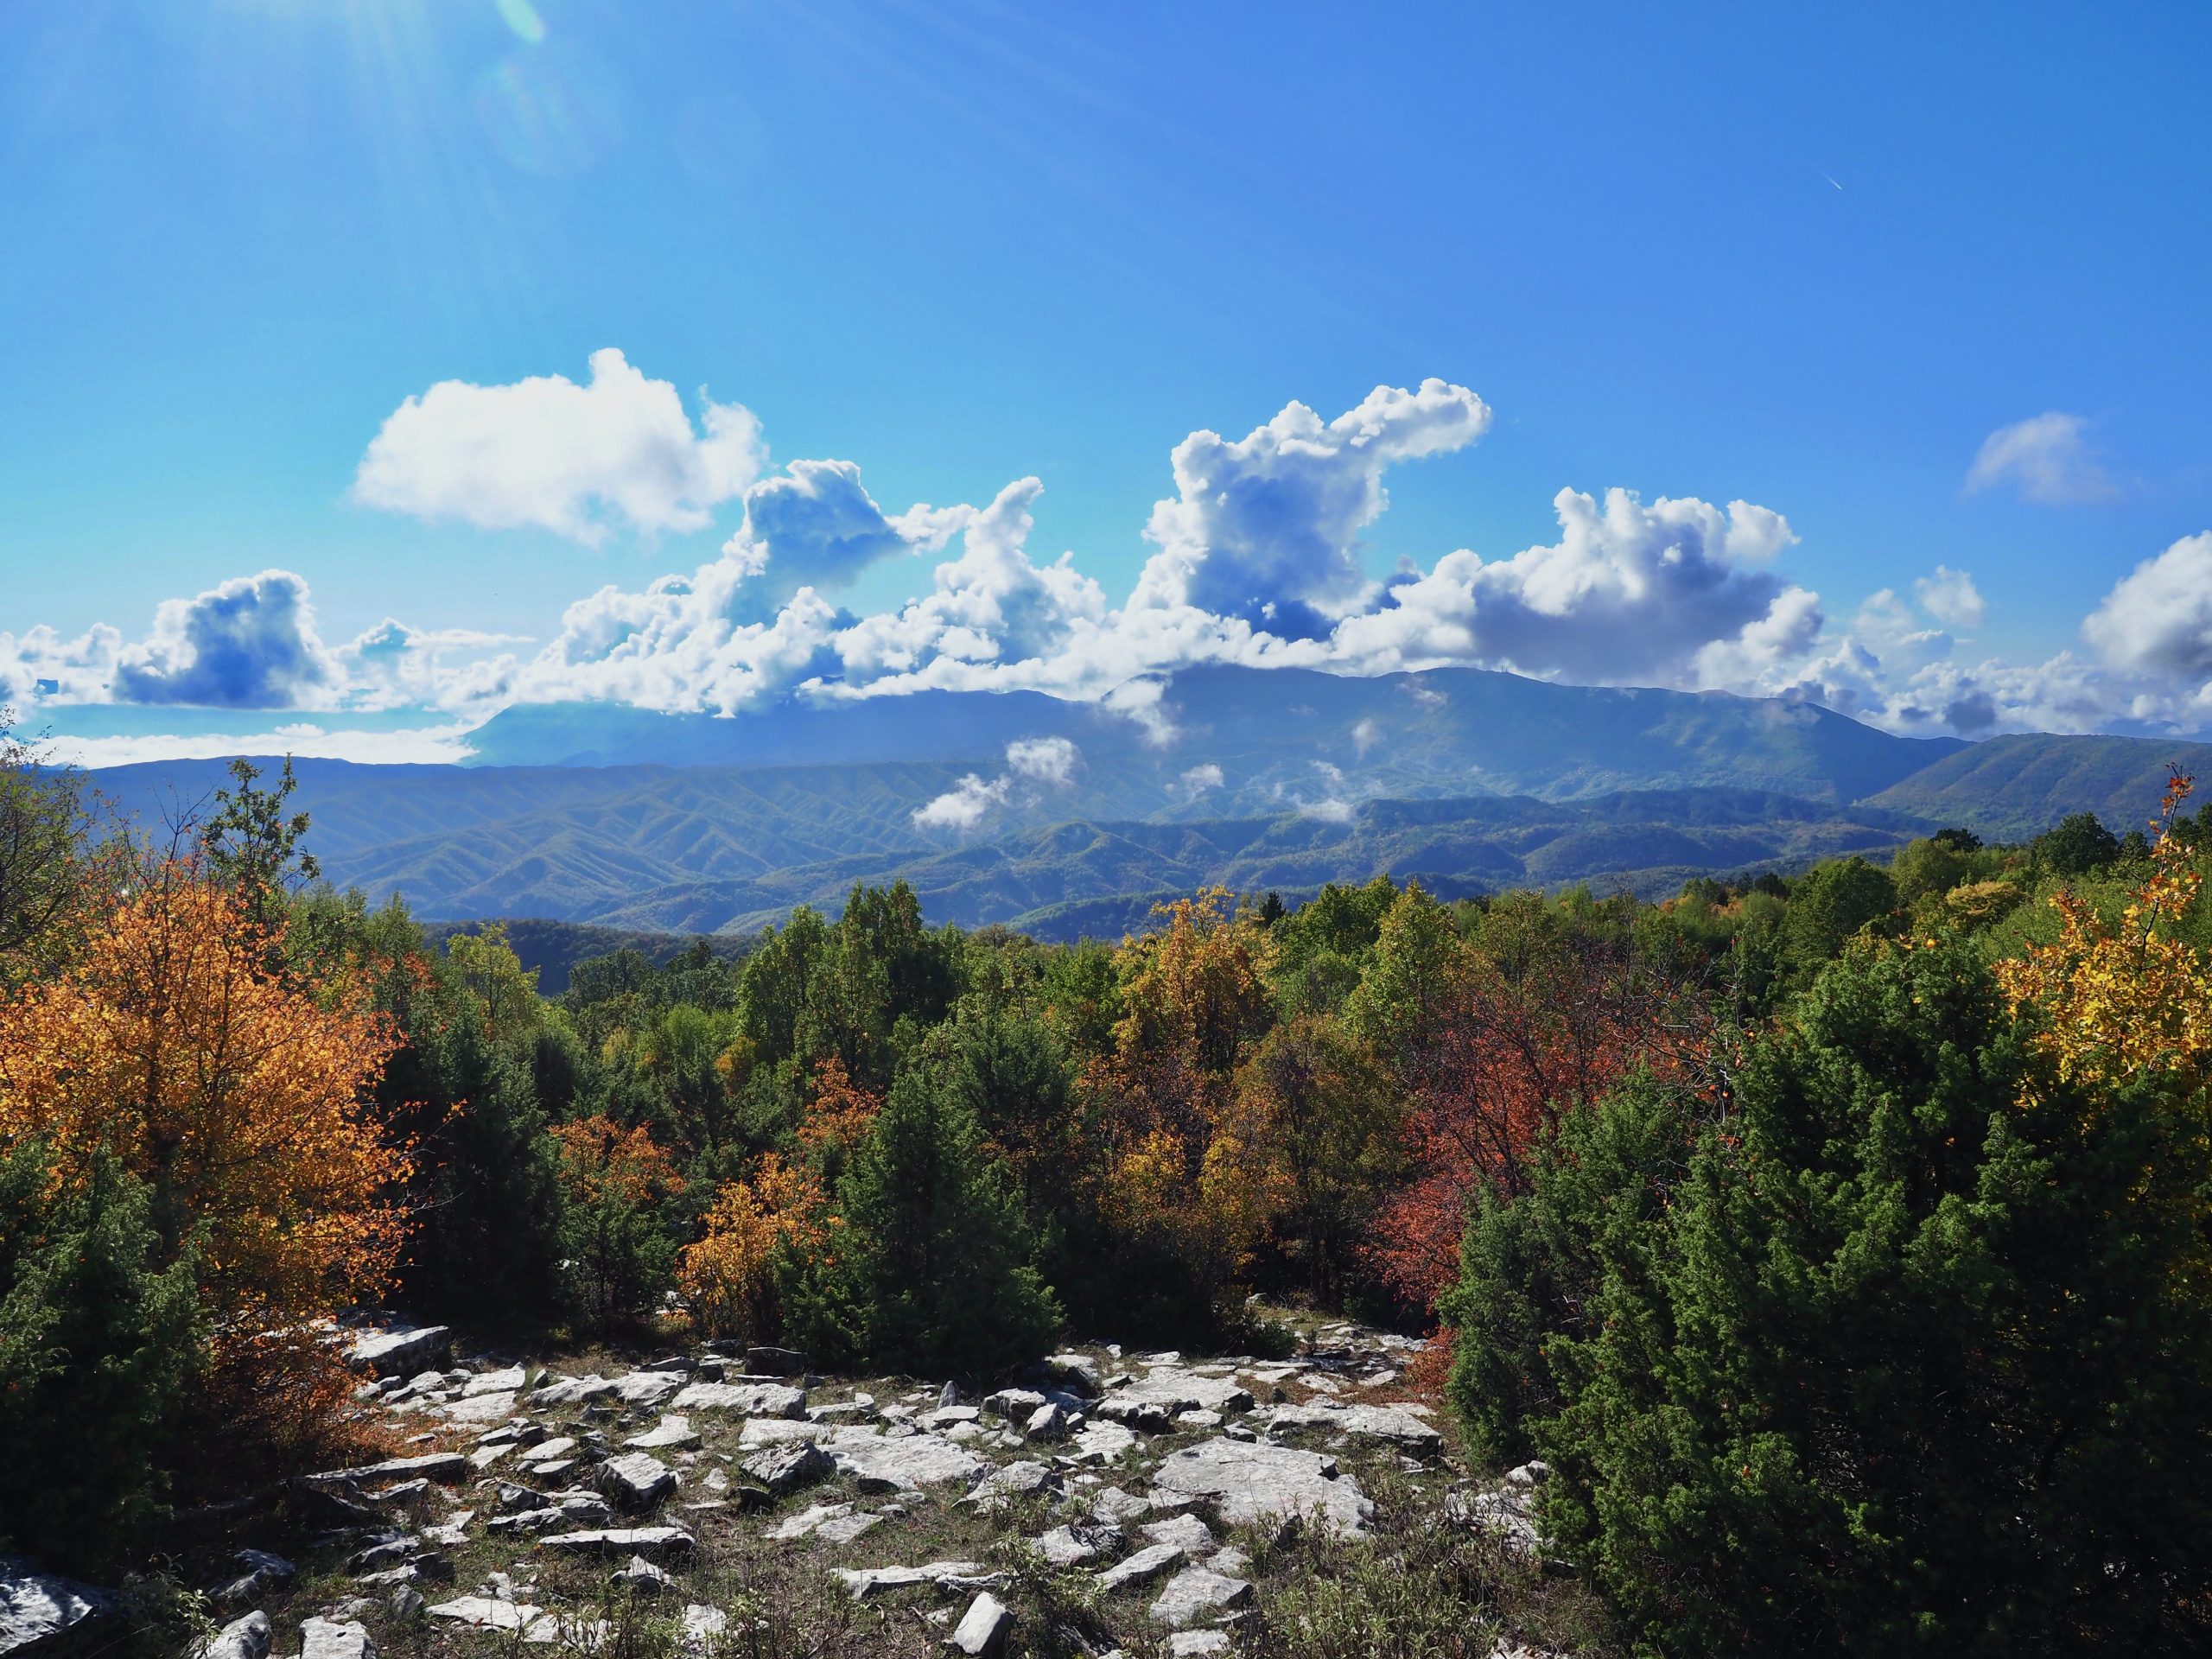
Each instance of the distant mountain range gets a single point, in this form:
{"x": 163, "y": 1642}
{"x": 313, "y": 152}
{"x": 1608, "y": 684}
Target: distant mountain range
{"x": 1260, "y": 780}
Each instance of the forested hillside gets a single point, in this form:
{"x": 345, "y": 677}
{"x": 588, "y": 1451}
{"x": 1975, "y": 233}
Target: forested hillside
{"x": 1808, "y": 1263}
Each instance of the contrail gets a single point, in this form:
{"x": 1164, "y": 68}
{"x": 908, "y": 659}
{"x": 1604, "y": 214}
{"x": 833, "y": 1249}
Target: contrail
{"x": 1825, "y": 176}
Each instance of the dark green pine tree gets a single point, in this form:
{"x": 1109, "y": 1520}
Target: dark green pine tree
{"x": 934, "y": 1279}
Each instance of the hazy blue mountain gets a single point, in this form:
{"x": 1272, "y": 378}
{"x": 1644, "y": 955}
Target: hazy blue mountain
{"x": 1469, "y": 780}
{"x": 1276, "y": 732}
{"x": 2014, "y": 787}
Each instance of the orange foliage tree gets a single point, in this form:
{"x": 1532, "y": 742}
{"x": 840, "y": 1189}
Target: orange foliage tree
{"x": 727, "y": 1280}
{"x": 240, "y": 1100}
{"x": 838, "y": 1118}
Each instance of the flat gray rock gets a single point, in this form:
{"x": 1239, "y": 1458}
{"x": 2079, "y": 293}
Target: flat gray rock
{"x": 324, "y": 1638}
{"x": 1021, "y": 1479}
{"x": 485, "y": 1613}
{"x": 250, "y": 1638}
{"x": 572, "y": 1391}
{"x": 1187, "y": 1532}
{"x": 479, "y": 1408}
{"x": 1151, "y": 1562}
{"x": 1174, "y": 1390}
{"x": 403, "y": 1350}
{"x": 42, "y": 1614}
{"x": 654, "y": 1543}
{"x": 907, "y": 1463}
{"x": 867, "y": 1582}
{"x": 647, "y": 1388}
{"x": 1078, "y": 1542}
{"x": 784, "y": 1469}
{"x": 672, "y": 1433}
{"x": 748, "y": 1399}
{"x": 1196, "y": 1596}
{"x": 447, "y": 1468}
{"x": 1388, "y": 1424}
{"x": 1256, "y": 1483}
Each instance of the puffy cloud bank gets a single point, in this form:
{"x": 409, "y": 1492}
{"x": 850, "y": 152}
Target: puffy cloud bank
{"x": 1256, "y": 557}
{"x": 568, "y": 458}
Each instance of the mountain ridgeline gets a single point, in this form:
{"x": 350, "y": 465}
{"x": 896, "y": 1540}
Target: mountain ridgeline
{"x": 1256, "y": 779}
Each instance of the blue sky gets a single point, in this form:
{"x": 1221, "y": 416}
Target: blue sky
{"x": 1926, "y": 282}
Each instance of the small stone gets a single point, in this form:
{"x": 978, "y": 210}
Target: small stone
{"x": 263, "y": 1571}
{"x": 1014, "y": 1404}
{"x": 242, "y": 1638}
{"x": 1196, "y": 1593}
{"x": 641, "y": 1576}
{"x": 323, "y": 1638}
{"x": 637, "y": 1480}
{"x": 1190, "y": 1644}
{"x": 1047, "y": 1423}
{"x": 701, "y": 1626}
{"x": 982, "y": 1629}
{"x": 1148, "y": 1564}
{"x": 784, "y": 1469}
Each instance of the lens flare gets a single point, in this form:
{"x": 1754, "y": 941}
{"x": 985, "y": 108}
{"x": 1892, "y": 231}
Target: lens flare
{"x": 521, "y": 17}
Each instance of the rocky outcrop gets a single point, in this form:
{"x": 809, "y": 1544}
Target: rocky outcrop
{"x": 42, "y": 1614}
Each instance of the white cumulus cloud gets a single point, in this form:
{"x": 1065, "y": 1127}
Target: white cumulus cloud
{"x": 1265, "y": 529}
{"x": 1951, "y": 597}
{"x": 547, "y": 453}
{"x": 2157, "y": 619}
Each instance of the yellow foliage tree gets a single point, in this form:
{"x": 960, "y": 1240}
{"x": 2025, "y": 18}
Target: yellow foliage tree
{"x": 1190, "y": 1167}
{"x": 240, "y": 1100}
{"x": 2118, "y": 1000}
{"x": 728, "y": 1278}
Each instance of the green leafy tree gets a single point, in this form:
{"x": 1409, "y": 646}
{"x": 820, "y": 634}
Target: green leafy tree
{"x": 1830, "y": 904}
{"x": 41, "y": 816}
{"x": 1909, "y": 1350}
{"x": 253, "y": 842}
{"x": 2079, "y": 844}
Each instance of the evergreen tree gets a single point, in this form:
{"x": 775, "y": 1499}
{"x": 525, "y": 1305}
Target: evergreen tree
{"x": 1910, "y": 1349}
{"x": 97, "y": 1342}
{"x": 935, "y": 1277}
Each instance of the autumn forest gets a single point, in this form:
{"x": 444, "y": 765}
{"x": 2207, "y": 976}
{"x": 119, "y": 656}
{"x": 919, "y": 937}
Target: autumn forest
{"x": 1839, "y": 1243}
